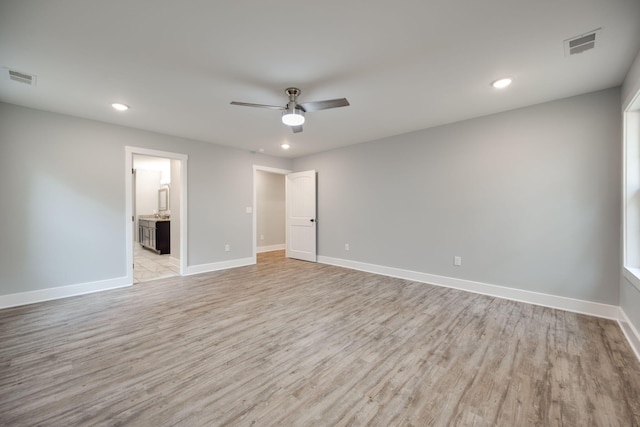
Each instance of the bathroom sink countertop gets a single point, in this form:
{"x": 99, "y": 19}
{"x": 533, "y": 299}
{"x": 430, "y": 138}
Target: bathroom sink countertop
{"x": 154, "y": 217}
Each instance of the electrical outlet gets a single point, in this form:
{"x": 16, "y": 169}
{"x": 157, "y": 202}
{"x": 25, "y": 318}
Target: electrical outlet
{"x": 346, "y": 246}
{"x": 227, "y": 248}
{"x": 457, "y": 260}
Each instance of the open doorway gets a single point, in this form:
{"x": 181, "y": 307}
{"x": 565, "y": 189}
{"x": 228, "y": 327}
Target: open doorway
{"x": 269, "y": 235}
{"x": 156, "y": 212}
{"x": 155, "y": 250}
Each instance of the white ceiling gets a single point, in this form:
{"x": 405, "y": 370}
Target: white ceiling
{"x": 403, "y": 65}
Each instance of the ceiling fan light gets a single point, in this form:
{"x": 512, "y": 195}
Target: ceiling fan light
{"x": 293, "y": 117}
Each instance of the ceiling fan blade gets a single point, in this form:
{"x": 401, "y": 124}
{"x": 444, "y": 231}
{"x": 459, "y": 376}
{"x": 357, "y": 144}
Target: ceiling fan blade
{"x": 296, "y": 129}
{"x": 247, "y": 104}
{"x": 324, "y": 105}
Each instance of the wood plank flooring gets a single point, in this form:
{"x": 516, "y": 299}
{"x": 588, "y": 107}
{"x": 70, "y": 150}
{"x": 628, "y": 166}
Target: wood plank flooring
{"x": 291, "y": 343}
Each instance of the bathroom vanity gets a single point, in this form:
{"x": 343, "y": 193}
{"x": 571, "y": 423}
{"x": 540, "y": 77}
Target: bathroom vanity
{"x": 154, "y": 234}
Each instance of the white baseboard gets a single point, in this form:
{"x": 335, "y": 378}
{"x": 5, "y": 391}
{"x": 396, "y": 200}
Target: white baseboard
{"x": 568, "y": 304}
{"x": 271, "y": 248}
{"x": 215, "y": 266}
{"x": 23, "y": 298}
{"x": 630, "y": 332}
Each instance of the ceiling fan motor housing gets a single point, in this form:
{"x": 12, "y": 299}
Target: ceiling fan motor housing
{"x": 293, "y": 93}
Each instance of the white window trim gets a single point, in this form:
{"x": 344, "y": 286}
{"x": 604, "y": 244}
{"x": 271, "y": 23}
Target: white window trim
{"x": 631, "y": 144}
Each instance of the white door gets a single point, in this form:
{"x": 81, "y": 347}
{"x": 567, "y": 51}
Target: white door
{"x": 301, "y": 215}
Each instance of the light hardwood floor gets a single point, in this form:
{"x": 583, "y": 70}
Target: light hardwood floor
{"x": 291, "y": 343}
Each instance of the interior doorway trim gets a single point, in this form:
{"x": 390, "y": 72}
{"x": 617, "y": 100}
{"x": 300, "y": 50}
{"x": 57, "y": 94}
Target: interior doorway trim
{"x": 255, "y": 205}
{"x": 129, "y": 153}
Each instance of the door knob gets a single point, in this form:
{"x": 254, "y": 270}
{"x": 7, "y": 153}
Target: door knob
{"x": 312, "y": 220}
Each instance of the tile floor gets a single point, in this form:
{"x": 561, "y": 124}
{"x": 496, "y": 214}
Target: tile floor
{"x": 150, "y": 266}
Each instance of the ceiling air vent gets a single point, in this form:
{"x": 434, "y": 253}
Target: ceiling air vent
{"x": 19, "y": 77}
{"x": 580, "y": 43}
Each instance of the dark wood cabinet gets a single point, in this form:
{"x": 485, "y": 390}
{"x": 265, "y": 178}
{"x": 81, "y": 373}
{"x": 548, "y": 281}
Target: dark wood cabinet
{"x": 155, "y": 235}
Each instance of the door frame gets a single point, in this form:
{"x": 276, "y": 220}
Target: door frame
{"x": 129, "y": 153}
{"x": 255, "y": 206}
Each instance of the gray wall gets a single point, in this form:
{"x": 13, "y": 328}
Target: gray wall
{"x": 270, "y": 209}
{"x": 530, "y": 199}
{"x": 63, "y": 197}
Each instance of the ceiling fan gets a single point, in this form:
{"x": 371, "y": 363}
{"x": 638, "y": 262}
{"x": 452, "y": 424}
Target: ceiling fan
{"x": 293, "y": 112}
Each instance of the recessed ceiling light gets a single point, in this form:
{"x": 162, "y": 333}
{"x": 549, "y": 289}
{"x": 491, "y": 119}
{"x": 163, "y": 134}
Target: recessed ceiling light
{"x": 120, "y": 107}
{"x": 502, "y": 83}
{"x": 285, "y": 146}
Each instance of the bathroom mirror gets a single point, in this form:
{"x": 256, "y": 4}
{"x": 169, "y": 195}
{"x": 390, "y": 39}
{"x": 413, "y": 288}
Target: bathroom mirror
{"x": 163, "y": 199}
